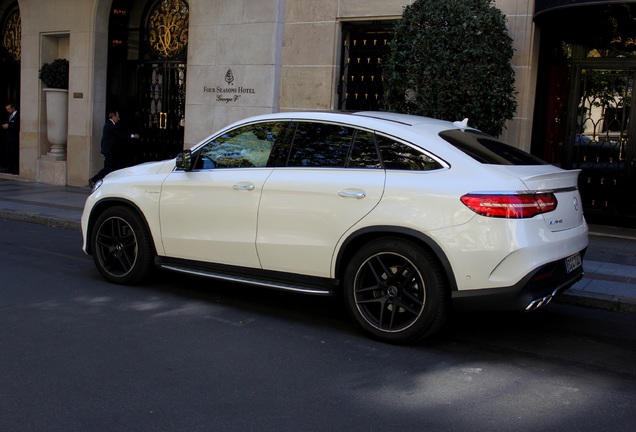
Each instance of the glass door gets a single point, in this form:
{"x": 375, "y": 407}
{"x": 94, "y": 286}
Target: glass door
{"x": 601, "y": 144}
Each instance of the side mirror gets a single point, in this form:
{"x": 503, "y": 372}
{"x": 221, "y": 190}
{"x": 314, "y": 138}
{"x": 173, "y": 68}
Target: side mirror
{"x": 184, "y": 161}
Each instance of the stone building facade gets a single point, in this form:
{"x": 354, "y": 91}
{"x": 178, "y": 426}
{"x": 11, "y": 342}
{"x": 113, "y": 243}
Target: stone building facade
{"x": 232, "y": 59}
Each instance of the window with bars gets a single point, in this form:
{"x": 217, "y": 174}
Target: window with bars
{"x": 363, "y": 48}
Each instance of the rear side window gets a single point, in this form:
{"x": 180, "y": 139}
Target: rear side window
{"x": 397, "y": 155}
{"x": 488, "y": 150}
{"x": 364, "y": 153}
{"x": 320, "y": 145}
{"x": 325, "y": 145}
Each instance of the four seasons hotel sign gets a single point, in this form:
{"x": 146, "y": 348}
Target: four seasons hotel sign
{"x": 229, "y": 93}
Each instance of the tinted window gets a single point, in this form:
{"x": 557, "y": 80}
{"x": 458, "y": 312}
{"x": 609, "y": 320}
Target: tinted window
{"x": 246, "y": 146}
{"x": 280, "y": 153}
{"x": 399, "y": 156}
{"x": 320, "y": 145}
{"x": 488, "y": 150}
{"x": 364, "y": 153}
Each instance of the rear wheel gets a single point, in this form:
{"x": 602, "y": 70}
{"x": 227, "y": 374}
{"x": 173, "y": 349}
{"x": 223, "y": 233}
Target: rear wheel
{"x": 122, "y": 248}
{"x": 396, "y": 291}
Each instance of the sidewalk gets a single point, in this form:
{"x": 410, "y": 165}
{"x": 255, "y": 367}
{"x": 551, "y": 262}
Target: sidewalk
{"x": 610, "y": 262}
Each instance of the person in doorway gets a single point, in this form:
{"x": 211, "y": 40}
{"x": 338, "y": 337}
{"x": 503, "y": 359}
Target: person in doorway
{"x": 113, "y": 147}
{"x": 12, "y": 126}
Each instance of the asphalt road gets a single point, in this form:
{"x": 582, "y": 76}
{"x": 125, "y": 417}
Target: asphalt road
{"x": 187, "y": 354}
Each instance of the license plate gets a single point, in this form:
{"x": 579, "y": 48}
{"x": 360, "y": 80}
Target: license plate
{"x": 573, "y": 262}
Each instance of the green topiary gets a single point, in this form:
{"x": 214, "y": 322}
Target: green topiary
{"x": 55, "y": 74}
{"x": 450, "y": 59}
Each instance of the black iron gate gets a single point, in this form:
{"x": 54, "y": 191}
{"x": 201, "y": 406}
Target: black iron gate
{"x": 363, "y": 47}
{"x": 161, "y": 110}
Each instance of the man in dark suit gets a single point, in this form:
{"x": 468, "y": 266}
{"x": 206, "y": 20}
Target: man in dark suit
{"x": 114, "y": 141}
{"x": 12, "y": 150}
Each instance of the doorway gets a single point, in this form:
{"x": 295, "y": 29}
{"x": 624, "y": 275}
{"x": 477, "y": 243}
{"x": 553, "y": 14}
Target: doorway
{"x": 600, "y": 131}
{"x": 147, "y": 74}
{"x": 585, "y": 121}
{"x": 10, "y": 57}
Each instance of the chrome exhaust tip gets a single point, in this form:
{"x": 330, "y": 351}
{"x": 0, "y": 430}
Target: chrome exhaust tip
{"x": 537, "y": 303}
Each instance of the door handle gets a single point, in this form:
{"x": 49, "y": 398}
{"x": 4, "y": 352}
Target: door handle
{"x": 352, "y": 193}
{"x": 244, "y": 186}
{"x": 163, "y": 120}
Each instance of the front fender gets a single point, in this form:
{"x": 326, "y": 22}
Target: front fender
{"x": 143, "y": 198}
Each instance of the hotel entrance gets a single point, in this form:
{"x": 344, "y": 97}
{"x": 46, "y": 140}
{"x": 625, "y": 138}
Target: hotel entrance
{"x": 147, "y": 74}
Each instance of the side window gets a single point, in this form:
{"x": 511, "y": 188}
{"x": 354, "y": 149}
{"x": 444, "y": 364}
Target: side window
{"x": 399, "y": 156}
{"x": 246, "y": 146}
{"x": 320, "y": 145}
{"x": 364, "y": 153}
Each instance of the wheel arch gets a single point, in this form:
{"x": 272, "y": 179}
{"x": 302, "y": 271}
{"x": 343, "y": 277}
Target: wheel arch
{"x": 107, "y": 203}
{"x": 367, "y": 234}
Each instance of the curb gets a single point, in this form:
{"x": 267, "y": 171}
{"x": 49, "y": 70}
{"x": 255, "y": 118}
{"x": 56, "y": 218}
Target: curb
{"x": 597, "y": 301}
{"x": 50, "y": 221}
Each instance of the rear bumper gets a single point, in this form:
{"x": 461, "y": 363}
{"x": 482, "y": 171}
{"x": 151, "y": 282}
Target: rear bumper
{"x": 536, "y": 289}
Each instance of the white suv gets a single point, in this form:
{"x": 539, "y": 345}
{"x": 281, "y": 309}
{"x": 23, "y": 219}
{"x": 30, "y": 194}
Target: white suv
{"x": 406, "y": 217}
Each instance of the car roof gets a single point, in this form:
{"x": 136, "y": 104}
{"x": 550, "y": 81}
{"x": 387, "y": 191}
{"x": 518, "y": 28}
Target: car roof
{"x": 406, "y": 119}
{"x": 369, "y": 119}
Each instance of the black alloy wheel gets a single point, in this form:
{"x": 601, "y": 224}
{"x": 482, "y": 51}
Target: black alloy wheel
{"x": 121, "y": 246}
{"x": 395, "y": 290}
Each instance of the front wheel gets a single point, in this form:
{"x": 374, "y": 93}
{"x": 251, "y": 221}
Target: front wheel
{"x": 122, "y": 248}
{"x": 395, "y": 291}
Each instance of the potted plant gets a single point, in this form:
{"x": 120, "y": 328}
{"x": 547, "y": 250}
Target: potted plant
{"x": 54, "y": 75}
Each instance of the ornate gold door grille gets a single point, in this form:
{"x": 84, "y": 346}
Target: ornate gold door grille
{"x": 167, "y": 28}
{"x": 10, "y": 56}
{"x": 12, "y": 35}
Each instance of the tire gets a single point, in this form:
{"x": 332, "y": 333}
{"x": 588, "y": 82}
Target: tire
{"x": 396, "y": 291}
{"x": 122, "y": 248}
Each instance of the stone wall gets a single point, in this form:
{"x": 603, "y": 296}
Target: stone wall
{"x": 245, "y": 57}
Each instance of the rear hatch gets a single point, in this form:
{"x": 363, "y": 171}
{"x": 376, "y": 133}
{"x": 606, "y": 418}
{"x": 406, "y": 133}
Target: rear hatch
{"x": 562, "y": 183}
{"x": 569, "y": 211}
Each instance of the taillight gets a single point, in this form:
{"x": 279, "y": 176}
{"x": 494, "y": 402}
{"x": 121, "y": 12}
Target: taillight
{"x": 513, "y": 206}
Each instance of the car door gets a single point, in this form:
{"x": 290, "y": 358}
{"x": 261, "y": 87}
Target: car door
{"x": 333, "y": 178}
{"x": 210, "y": 213}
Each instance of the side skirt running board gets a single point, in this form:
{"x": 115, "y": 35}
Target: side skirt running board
{"x": 249, "y": 280}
